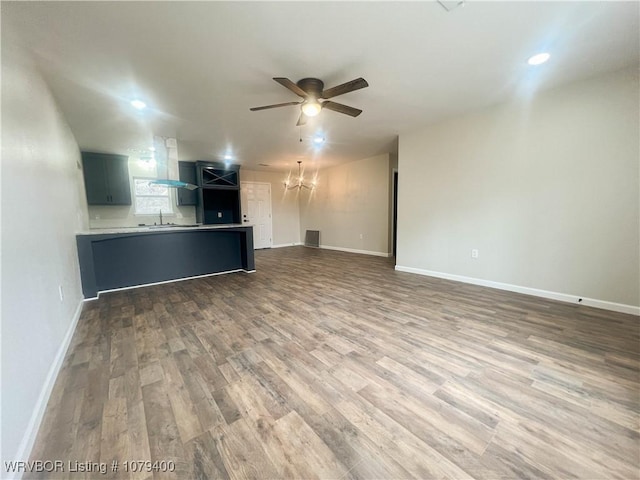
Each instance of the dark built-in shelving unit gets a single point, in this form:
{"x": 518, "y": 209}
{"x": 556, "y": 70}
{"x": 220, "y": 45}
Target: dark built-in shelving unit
{"x": 219, "y": 193}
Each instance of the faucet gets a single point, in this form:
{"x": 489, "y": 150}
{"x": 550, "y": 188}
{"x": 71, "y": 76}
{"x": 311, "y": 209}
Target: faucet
{"x": 160, "y": 216}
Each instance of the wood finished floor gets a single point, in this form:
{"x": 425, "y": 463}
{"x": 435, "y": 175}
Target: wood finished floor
{"x": 325, "y": 364}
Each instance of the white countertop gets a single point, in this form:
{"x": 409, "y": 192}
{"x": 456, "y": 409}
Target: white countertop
{"x": 159, "y": 229}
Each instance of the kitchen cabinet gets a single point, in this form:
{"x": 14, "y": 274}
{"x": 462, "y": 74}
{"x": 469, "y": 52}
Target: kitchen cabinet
{"x": 219, "y": 193}
{"x": 219, "y": 206}
{"x": 187, "y": 173}
{"x": 218, "y": 175}
{"x": 106, "y": 178}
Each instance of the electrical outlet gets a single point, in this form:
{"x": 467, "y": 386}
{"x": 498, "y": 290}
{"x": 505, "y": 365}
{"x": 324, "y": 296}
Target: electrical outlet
{"x": 61, "y": 293}
{"x": 219, "y": 214}
{"x": 474, "y": 253}
{"x": 361, "y": 236}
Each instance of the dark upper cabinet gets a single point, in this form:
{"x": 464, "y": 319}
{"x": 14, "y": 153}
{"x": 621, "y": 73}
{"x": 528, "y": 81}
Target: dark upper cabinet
{"x": 187, "y": 173}
{"x": 218, "y": 175}
{"x": 106, "y": 178}
{"x": 95, "y": 182}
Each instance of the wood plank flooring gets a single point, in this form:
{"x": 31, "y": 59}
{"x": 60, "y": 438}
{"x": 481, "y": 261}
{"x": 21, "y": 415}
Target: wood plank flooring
{"x": 325, "y": 364}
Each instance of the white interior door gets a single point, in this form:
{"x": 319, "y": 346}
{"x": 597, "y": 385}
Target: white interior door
{"x": 255, "y": 198}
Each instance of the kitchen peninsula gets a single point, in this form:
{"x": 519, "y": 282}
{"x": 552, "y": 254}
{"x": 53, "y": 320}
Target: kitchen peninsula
{"x": 118, "y": 258}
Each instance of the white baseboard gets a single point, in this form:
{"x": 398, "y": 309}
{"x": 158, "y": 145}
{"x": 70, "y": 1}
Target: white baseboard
{"x": 562, "y": 297}
{"x": 31, "y": 432}
{"x": 340, "y": 249}
{"x": 294, "y": 244}
{"x": 170, "y": 281}
{"x": 353, "y": 250}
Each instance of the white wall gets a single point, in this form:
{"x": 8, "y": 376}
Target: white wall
{"x": 351, "y": 201}
{"x": 547, "y": 190}
{"x": 284, "y": 206}
{"x": 42, "y": 207}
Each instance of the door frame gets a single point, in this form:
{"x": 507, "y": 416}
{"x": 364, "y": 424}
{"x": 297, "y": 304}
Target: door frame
{"x": 394, "y": 212}
{"x": 242, "y": 183}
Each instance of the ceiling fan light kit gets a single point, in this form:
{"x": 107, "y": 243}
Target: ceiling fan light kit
{"x": 312, "y": 91}
{"x": 311, "y": 107}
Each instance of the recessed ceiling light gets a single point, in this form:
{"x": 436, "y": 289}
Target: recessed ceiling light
{"x": 139, "y": 104}
{"x": 318, "y": 139}
{"x": 152, "y": 149}
{"x": 539, "y": 59}
{"x": 228, "y": 157}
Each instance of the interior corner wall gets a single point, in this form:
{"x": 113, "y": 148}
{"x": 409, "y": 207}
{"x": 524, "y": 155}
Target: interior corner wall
{"x": 284, "y": 207}
{"x": 350, "y": 206}
{"x": 43, "y": 206}
{"x": 547, "y": 191}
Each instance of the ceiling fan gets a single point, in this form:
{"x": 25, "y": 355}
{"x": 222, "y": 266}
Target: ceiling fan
{"x": 312, "y": 91}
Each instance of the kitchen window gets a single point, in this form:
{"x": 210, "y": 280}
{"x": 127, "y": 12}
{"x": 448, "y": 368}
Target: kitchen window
{"x": 151, "y": 199}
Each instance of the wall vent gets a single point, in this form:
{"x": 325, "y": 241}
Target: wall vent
{"x": 312, "y": 238}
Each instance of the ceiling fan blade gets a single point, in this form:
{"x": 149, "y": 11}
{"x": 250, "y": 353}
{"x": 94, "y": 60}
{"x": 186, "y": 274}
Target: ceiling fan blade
{"x": 356, "y": 84}
{"x": 302, "y": 120}
{"x": 285, "y": 82}
{"x": 340, "y": 108}
{"x": 255, "y": 109}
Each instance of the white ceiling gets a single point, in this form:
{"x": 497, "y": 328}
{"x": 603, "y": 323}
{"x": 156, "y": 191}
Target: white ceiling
{"x": 201, "y": 65}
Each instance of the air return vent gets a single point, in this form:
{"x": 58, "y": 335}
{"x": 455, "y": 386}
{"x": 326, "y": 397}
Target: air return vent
{"x": 312, "y": 238}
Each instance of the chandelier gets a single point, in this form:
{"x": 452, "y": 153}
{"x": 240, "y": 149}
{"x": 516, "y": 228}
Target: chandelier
{"x": 299, "y": 181}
